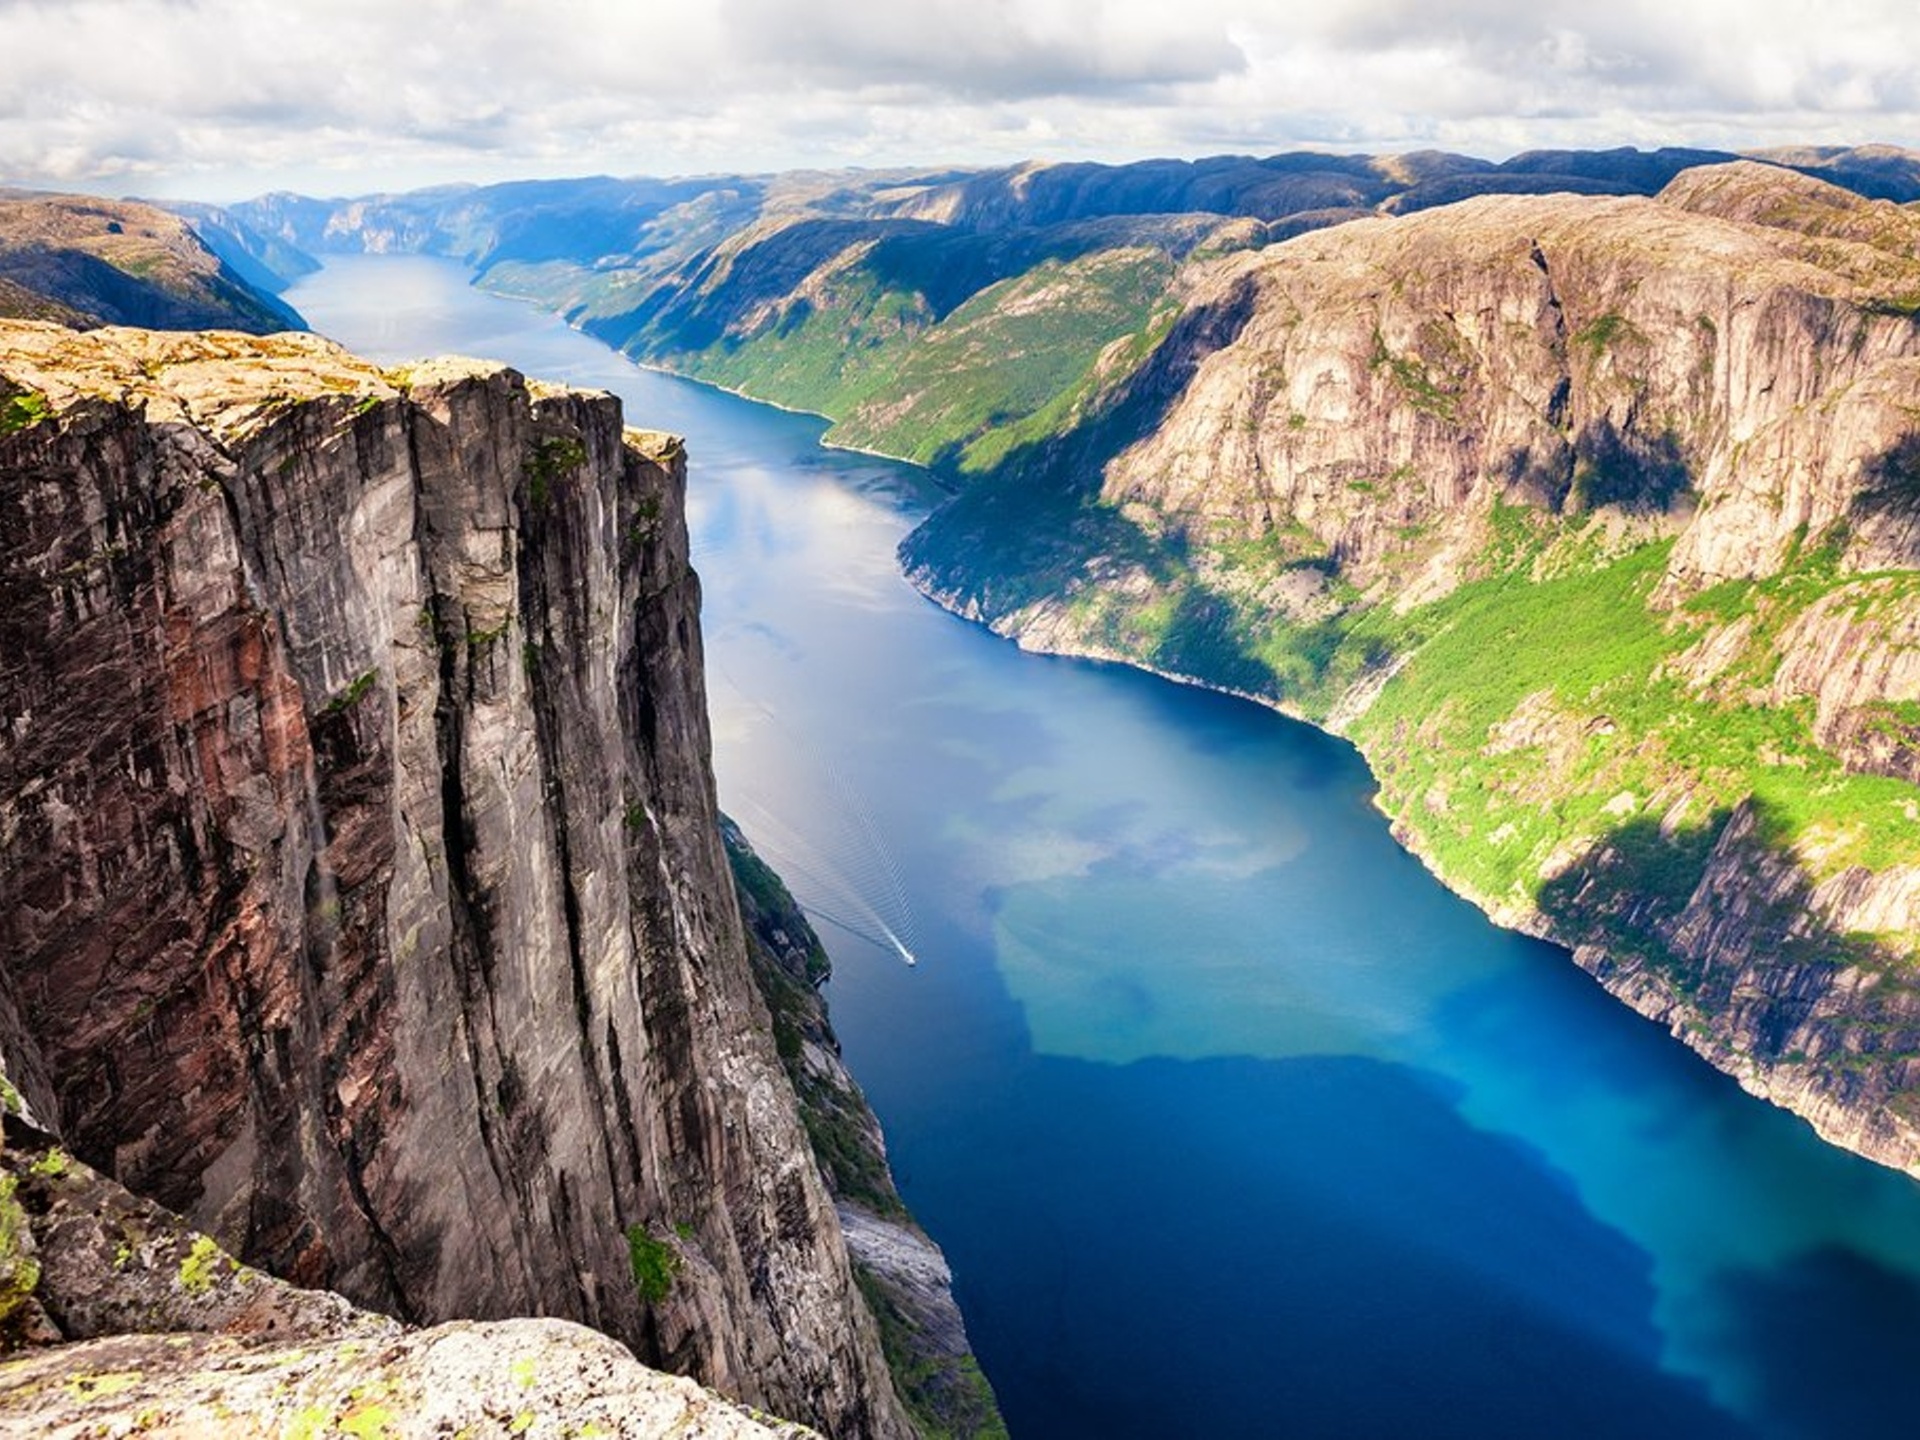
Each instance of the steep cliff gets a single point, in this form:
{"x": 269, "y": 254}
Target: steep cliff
{"x": 1594, "y": 523}
{"x": 365, "y": 890}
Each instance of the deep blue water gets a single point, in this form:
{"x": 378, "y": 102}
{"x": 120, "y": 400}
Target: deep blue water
{"x": 1230, "y": 1119}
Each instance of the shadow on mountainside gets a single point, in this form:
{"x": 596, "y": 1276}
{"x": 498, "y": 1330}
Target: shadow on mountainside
{"x": 1722, "y": 913}
{"x": 1885, "y": 516}
{"x": 1031, "y": 526}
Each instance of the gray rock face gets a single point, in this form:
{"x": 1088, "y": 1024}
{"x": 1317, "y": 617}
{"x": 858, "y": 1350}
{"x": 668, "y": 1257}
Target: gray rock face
{"x": 364, "y": 884}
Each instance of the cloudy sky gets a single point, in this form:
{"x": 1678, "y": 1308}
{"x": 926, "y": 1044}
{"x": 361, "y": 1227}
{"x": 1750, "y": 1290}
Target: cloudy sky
{"x": 224, "y": 98}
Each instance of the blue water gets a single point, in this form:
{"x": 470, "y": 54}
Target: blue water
{"x": 1230, "y": 1119}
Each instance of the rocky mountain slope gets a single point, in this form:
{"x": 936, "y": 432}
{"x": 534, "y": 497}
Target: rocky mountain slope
{"x": 1594, "y": 522}
{"x": 261, "y": 261}
{"x": 136, "y": 1324}
{"x": 78, "y": 260}
{"x": 365, "y": 892}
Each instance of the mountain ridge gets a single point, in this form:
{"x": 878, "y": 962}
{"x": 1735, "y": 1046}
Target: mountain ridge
{"x": 84, "y": 261}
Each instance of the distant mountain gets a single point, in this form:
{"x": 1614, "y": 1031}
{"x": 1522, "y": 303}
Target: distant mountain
{"x": 947, "y": 316}
{"x": 1879, "y": 172}
{"x": 263, "y": 261}
{"x": 84, "y": 261}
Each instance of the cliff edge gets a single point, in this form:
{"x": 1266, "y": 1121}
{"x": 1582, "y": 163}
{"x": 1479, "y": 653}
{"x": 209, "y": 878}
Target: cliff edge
{"x": 365, "y": 889}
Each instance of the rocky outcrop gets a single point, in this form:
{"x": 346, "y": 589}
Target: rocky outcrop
{"x": 542, "y": 1379}
{"x": 1754, "y": 974}
{"x": 1394, "y": 379}
{"x": 364, "y": 891}
{"x": 133, "y": 1323}
{"x": 1594, "y": 522}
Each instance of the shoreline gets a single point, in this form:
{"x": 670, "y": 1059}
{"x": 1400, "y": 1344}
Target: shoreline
{"x": 656, "y": 367}
{"x": 1646, "y": 994}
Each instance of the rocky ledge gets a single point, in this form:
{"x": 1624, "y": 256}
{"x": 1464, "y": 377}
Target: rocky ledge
{"x": 133, "y": 1323}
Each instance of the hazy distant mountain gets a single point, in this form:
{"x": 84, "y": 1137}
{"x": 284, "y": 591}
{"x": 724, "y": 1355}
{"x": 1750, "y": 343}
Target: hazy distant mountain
{"x": 86, "y": 261}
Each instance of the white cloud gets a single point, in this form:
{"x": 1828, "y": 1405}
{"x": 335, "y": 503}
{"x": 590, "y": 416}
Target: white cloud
{"x": 962, "y": 49}
{"x": 222, "y": 96}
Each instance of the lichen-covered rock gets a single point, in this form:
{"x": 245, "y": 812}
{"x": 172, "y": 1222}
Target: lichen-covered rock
{"x": 110, "y": 1262}
{"x": 363, "y": 884}
{"x": 19, "y": 1260}
{"x": 124, "y": 1320}
{"x": 531, "y": 1378}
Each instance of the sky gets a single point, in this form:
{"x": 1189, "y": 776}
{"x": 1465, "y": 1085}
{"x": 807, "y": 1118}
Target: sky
{"x": 221, "y": 99}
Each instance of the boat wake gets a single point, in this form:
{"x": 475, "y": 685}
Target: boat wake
{"x": 840, "y": 867}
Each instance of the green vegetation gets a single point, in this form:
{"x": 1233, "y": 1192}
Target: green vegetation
{"x": 655, "y": 1263}
{"x": 1423, "y": 392}
{"x": 1542, "y": 719}
{"x": 201, "y": 1266}
{"x": 1058, "y": 415}
{"x": 480, "y": 639}
{"x": 19, "y": 1272}
{"x": 1534, "y": 715}
{"x": 950, "y": 1399}
{"x": 1010, "y": 366}
{"x": 20, "y": 411}
{"x": 355, "y": 692}
{"x": 644, "y": 528}
{"x": 553, "y": 459}
{"x": 825, "y": 355}
{"x": 1016, "y": 362}
{"x": 1603, "y": 332}
{"x": 1901, "y": 307}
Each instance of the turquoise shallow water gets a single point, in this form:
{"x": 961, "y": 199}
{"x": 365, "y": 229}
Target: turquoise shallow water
{"x": 1231, "y": 1120}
